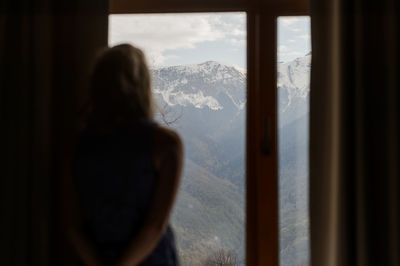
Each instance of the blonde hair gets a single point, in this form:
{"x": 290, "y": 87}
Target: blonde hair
{"x": 120, "y": 86}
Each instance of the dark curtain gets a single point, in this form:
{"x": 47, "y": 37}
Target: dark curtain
{"x": 354, "y": 133}
{"x": 46, "y": 49}
{"x": 25, "y": 68}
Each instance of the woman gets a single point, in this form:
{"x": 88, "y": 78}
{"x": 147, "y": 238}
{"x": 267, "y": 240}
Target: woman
{"x": 126, "y": 170}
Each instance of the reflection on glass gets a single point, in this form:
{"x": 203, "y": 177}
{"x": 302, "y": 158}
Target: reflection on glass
{"x": 199, "y": 80}
{"x": 294, "y": 62}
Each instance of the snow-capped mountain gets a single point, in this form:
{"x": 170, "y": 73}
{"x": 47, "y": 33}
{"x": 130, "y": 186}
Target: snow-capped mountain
{"x": 295, "y": 76}
{"x": 203, "y": 85}
{"x": 214, "y": 86}
{"x": 293, "y": 89}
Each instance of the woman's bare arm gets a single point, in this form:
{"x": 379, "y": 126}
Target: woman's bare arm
{"x": 168, "y": 157}
{"x": 71, "y": 220}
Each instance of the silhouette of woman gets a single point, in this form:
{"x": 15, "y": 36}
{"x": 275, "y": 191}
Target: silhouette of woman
{"x": 125, "y": 170}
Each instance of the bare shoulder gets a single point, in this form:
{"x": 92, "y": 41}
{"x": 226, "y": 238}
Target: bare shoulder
{"x": 166, "y": 139}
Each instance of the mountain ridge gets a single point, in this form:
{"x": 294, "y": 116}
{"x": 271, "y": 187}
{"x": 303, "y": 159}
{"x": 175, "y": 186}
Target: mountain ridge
{"x": 202, "y": 86}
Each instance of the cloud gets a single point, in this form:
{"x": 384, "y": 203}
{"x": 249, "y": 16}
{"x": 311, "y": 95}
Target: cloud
{"x": 159, "y": 33}
{"x": 288, "y": 21}
{"x": 156, "y": 34}
{"x": 282, "y": 48}
{"x": 295, "y": 29}
{"x": 287, "y": 56}
{"x": 293, "y": 37}
{"x": 238, "y": 43}
{"x": 306, "y": 37}
{"x": 294, "y": 24}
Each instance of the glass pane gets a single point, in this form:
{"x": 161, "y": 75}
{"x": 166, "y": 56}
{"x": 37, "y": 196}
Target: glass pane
{"x": 198, "y": 66}
{"x": 294, "y": 62}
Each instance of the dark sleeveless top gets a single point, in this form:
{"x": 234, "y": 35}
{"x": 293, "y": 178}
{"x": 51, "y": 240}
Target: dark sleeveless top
{"x": 115, "y": 179}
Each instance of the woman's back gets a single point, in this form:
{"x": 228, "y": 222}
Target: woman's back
{"x": 116, "y": 179}
{"x": 126, "y": 169}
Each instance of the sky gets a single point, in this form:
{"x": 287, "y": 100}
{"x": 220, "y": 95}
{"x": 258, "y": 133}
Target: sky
{"x": 179, "y": 39}
{"x": 294, "y": 37}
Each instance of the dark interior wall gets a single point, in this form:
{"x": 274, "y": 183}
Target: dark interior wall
{"x": 46, "y": 50}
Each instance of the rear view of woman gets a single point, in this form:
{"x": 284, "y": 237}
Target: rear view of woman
{"x": 125, "y": 170}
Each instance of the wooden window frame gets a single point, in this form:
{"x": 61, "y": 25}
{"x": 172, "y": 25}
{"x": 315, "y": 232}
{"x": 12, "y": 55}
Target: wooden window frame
{"x": 262, "y": 211}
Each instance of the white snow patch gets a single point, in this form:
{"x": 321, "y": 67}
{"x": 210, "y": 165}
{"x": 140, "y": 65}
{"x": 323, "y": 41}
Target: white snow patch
{"x": 295, "y": 76}
{"x": 198, "y": 99}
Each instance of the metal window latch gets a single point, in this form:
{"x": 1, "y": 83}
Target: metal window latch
{"x": 266, "y": 141}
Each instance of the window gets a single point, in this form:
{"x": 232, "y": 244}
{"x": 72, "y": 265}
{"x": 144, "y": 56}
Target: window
{"x": 198, "y": 64}
{"x": 293, "y": 76}
{"x": 262, "y": 212}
